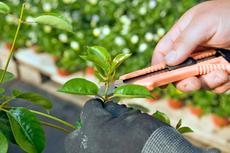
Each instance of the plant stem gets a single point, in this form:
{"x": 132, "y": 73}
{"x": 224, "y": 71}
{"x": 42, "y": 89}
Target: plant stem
{"x": 46, "y": 115}
{"x": 107, "y": 87}
{"x": 12, "y": 48}
{"x": 55, "y": 126}
{"x": 100, "y": 97}
{"x": 5, "y": 102}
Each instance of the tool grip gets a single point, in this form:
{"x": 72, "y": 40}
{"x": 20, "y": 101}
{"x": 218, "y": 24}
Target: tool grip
{"x": 173, "y": 76}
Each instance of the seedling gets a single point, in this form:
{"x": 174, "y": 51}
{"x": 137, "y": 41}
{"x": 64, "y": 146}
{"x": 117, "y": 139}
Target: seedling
{"x": 106, "y": 71}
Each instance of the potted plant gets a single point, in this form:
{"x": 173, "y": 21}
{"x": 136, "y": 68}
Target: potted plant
{"x": 199, "y": 102}
{"x": 221, "y": 110}
{"x": 176, "y": 99}
{"x": 157, "y": 93}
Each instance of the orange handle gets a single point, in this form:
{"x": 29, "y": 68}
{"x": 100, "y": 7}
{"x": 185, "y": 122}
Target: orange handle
{"x": 152, "y": 81}
{"x": 196, "y": 56}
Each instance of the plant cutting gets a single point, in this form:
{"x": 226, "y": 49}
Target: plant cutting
{"x": 19, "y": 125}
{"x": 106, "y": 71}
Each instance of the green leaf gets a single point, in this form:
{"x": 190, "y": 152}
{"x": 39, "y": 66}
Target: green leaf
{"x": 79, "y": 86}
{"x": 27, "y": 130}
{"x": 119, "y": 59}
{"x": 79, "y": 124}
{"x": 54, "y": 20}
{"x": 101, "y": 53}
{"x": 139, "y": 107}
{"x": 3, "y": 97}
{"x": 100, "y": 70}
{"x": 4, "y": 9}
{"x": 15, "y": 93}
{"x": 35, "y": 99}
{"x": 3, "y": 144}
{"x": 96, "y": 60}
{"x": 8, "y": 76}
{"x": 2, "y": 90}
{"x": 162, "y": 116}
{"x": 185, "y": 130}
{"x": 133, "y": 91}
{"x": 5, "y": 127}
{"x": 99, "y": 77}
{"x": 178, "y": 124}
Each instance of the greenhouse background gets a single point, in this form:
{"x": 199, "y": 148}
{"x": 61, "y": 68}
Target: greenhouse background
{"x": 120, "y": 26}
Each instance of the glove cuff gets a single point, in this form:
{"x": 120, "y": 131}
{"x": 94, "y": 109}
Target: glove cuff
{"x": 167, "y": 139}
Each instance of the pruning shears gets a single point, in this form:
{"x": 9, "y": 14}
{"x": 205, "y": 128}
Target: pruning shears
{"x": 196, "y": 64}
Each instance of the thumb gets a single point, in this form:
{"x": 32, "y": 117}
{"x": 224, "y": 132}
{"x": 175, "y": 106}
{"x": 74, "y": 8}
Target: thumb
{"x": 196, "y": 33}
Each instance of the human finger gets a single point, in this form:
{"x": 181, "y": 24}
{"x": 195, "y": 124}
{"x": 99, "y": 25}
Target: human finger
{"x": 188, "y": 85}
{"x": 213, "y": 79}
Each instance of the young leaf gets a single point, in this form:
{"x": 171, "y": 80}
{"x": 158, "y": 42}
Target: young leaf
{"x": 132, "y": 91}
{"x": 2, "y": 90}
{"x": 35, "y": 99}
{"x": 139, "y": 107}
{"x": 8, "y": 76}
{"x": 185, "y": 130}
{"x": 119, "y": 59}
{"x": 15, "y": 93}
{"x": 3, "y": 97}
{"x": 96, "y": 60}
{"x": 3, "y": 144}
{"x": 4, "y": 9}
{"x": 178, "y": 124}
{"x": 99, "y": 77}
{"x": 54, "y": 20}
{"x": 27, "y": 130}
{"x": 100, "y": 70}
{"x": 79, "y": 124}
{"x": 79, "y": 86}
{"x": 101, "y": 53}
{"x": 162, "y": 116}
{"x": 112, "y": 76}
{"x": 5, "y": 127}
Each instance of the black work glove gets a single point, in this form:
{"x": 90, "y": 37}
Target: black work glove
{"x": 111, "y": 128}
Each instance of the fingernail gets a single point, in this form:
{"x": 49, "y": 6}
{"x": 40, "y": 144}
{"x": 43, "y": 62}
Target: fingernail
{"x": 170, "y": 57}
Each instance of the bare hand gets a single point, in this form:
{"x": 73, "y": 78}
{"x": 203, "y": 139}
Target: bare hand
{"x": 204, "y": 26}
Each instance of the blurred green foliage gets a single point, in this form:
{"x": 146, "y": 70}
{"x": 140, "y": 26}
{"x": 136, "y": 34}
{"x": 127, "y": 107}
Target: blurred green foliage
{"x": 120, "y": 26}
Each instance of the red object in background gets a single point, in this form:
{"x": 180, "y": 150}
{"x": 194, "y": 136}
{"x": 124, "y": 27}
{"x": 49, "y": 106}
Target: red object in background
{"x": 219, "y": 121}
{"x": 8, "y": 47}
{"x": 175, "y": 104}
{"x": 156, "y": 96}
{"x": 90, "y": 70}
{"x": 55, "y": 58}
{"x": 34, "y": 48}
{"x": 195, "y": 110}
{"x": 63, "y": 72}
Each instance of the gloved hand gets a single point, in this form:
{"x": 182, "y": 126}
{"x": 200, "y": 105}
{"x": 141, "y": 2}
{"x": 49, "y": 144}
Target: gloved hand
{"x": 111, "y": 128}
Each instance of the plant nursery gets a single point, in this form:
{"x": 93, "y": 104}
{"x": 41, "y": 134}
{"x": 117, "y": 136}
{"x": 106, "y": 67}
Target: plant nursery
{"x": 56, "y": 54}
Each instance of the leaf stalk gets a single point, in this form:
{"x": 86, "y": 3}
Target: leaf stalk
{"x": 55, "y": 126}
